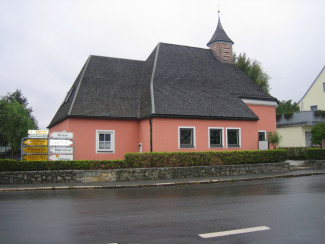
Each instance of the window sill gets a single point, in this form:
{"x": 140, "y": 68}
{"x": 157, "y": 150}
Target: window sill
{"x": 188, "y": 147}
{"x": 105, "y": 152}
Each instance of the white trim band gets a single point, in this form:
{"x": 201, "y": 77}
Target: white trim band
{"x": 259, "y": 102}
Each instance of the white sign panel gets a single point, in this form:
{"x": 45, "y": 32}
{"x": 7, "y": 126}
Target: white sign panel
{"x": 62, "y": 135}
{"x": 60, "y": 142}
{"x": 61, "y": 150}
{"x": 44, "y": 136}
{"x": 61, "y": 157}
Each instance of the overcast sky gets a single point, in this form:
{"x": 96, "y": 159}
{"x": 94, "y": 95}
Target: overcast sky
{"x": 45, "y": 43}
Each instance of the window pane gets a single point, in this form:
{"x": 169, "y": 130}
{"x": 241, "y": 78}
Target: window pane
{"x": 186, "y": 137}
{"x": 215, "y": 137}
{"x": 104, "y": 141}
{"x": 101, "y": 137}
{"x": 107, "y": 137}
{"x": 261, "y": 136}
{"x": 233, "y": 138}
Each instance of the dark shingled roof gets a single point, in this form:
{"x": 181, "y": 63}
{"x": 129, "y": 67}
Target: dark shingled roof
{"x": 175, "y": 81}
{"x": 219, "y": 35}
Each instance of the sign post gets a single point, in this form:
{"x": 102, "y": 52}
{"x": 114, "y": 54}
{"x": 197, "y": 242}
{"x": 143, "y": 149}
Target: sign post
{"x": 34, "y": 147}
{"x": 61, "y": 146}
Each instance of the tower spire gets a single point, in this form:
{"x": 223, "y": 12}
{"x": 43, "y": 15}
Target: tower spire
{"x": 220, "y": 44}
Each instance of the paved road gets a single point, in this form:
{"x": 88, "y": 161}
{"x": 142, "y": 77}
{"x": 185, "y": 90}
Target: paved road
{"x": 292, "y": 210}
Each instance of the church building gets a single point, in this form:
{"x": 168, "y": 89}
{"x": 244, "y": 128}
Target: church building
{"x": 181, "y": 99}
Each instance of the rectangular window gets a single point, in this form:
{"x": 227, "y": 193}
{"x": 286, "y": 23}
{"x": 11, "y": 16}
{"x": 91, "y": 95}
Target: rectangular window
{"x": 215, "y": 137}
{"x": 324, "y": 87}
{"x": 186, "y": 137}
{"x": 233, "y": 137}
{"x": 105, "y": 141}
{"x": 313, "y": 108}
{"x": 261, "y": 135}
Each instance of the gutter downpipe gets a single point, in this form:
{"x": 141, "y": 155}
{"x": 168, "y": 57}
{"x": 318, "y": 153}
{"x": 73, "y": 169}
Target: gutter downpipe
{"x": 150, "y": 123}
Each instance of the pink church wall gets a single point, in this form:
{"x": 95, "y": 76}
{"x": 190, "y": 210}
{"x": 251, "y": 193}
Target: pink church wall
{"x": 126, "y": 137}
{"x": 165, "y": 134}
{"x": 267, "y": 117}
{"x": 129, "y": 133}
{"x": 144, "y": 135}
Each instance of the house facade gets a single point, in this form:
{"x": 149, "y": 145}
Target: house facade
{"x": 314, "y": 98}
{"x": 180, "y": 99}
{"x": 295, "y": 129}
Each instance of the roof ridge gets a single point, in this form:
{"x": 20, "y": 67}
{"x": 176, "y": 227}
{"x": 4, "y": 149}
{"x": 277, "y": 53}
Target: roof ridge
{"x": 78, "y": 87}
{"x": 152, "y": 79}
{"x": 100, "y": 56}
{"x": 312, "y": 84}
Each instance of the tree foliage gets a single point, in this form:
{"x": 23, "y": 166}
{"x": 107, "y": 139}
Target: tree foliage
{"x": 318, "y": 133}
{"x": 274, "y": 138}
{"x": 254, "y": 70}
{"x": 287, "y": 107}
{"x": 15, "y": 119}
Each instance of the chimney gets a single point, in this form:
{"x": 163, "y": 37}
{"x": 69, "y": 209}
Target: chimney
{"x": 221, "y": 45}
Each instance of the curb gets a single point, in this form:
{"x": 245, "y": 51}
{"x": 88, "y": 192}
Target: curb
{"x": 58, "y": 188}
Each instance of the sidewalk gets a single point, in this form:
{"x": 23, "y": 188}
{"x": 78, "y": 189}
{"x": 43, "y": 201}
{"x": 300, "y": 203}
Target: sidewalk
{"x": 297, "y": 170}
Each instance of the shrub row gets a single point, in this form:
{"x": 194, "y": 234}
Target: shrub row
{"x": 296, "y": 153}
{"x": 184, "y": 159}
{"x": 16, "y": 165}
{"x": 316, "y": 153}
{"x": 147, "y": 160}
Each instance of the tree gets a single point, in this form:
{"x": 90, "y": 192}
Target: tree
{"x": 21, "y": 99}
{"x": 274, "y": 138}
{"x": 254, "y": 71}
{"x": 15, "y": 120}
{"x": 318, "y": 133}
{"x": 287, "y": 107}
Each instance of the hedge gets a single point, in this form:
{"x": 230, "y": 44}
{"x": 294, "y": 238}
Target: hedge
{"x": 316, "y": 153}
{"x": 184, "y": 159}
{"x": 16, "y": 165}
{"x": 296, "y": 153}
{"x": 147, "y": 160}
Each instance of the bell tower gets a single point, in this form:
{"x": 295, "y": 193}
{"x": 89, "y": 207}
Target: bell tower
{"x": 220, "y": 44}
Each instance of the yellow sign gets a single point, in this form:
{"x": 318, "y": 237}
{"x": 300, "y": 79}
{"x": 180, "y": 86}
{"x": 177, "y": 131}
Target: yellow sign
{"x": 35, "y": 142}
{"x": 35, "y": 149}
{"x": 35, "y": 157}
{"x": 44, "y": 132}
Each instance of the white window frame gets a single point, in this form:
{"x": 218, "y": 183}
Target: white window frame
{"x": 112, "y": 133}
{"x": 239, "y": 136}
{"x": 222, "y": 136}
{"x": 179, "y": 137}
{"x": 264, "y": 134}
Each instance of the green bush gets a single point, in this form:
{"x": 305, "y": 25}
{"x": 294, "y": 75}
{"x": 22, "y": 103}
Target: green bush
{"x": 183, "y": 159}
{"x": 296, "y": 153}
{"x": 16, "y": 165}
{"x": 316, "y": 153}
{"x": 148, "y": 160}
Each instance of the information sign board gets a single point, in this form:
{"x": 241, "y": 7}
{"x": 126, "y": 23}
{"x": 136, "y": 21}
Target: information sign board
{"x": 36, "y": 142}
{"x": 35, "y": 149}
{"x": 60, "y": 157}
{"x": 61, "y": 150}
{"x": 60, "y": 142}
{"x": 35, "y": 157}
{"x": 62, "y": 135}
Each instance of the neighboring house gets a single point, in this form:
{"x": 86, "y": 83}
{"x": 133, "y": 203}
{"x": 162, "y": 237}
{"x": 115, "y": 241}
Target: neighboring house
{"x": 180, "y": 99}
{"x": 295, "y": 129}
{"x": 314, "y": 98}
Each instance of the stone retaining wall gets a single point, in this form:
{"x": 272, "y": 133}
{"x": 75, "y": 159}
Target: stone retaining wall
{"x": 315, "y": 164}
{"x": 64, "y": 176}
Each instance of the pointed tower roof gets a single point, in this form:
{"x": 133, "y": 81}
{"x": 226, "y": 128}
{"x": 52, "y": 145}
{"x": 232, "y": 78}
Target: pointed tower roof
{"x": 219, "y": 35}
